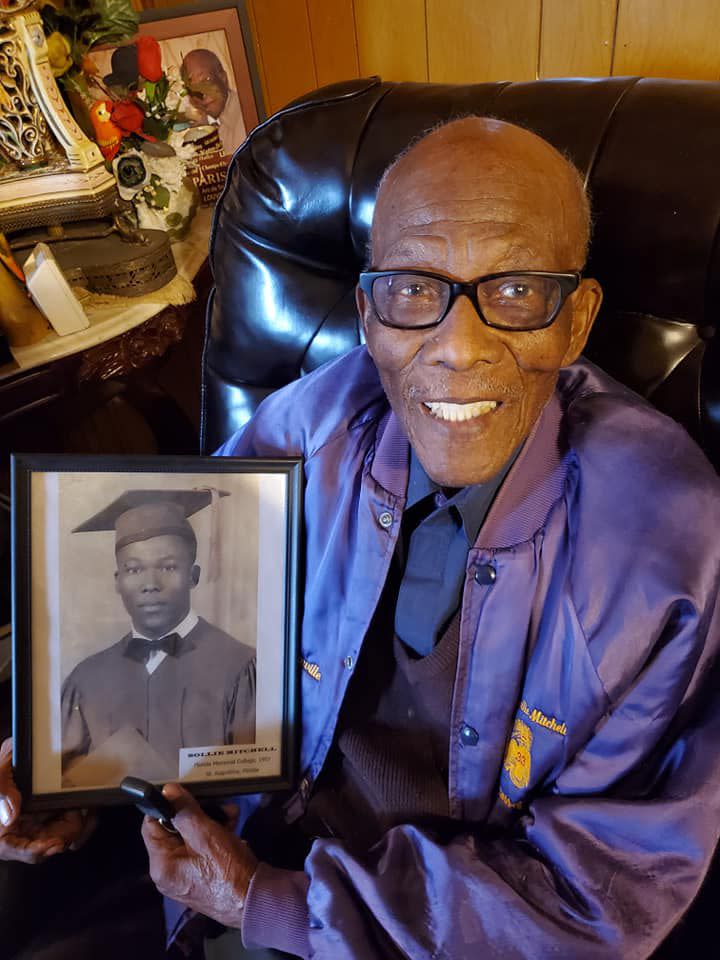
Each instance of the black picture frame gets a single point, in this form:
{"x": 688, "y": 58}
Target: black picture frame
{"x": 49, "y": 493}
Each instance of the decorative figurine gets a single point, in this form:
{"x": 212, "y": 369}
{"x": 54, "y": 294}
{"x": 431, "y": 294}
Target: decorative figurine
{"x": 107, "y": 134}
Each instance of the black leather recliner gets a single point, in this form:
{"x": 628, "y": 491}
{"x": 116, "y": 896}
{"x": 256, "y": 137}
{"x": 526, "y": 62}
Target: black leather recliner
{"x": 291, "y": 229}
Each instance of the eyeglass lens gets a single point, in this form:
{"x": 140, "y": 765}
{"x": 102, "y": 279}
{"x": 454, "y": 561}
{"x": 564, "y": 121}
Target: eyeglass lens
{"x": 516, "y": 303}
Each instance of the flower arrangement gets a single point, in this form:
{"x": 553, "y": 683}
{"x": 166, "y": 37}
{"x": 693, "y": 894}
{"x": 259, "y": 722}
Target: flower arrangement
{"x": 74, "y": 27}
{"x": 132, "y": 113}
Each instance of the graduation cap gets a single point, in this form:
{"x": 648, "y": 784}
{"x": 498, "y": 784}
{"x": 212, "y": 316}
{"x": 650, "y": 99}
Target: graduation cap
{"x": 142, "y": 514}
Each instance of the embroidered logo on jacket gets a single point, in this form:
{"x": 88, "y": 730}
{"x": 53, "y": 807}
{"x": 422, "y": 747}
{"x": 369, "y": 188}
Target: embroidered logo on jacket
{"x": 312, "y": 669}
{"x": 513, "y": 804}
{"x": 517, "y": 757}
{"x": 538, "y": 717}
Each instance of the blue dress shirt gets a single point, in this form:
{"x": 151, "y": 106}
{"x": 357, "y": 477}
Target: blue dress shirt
{"x": 439, "y": 527}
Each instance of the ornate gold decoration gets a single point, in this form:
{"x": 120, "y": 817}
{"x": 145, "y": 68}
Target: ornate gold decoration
{"x": 56, "y": 174}
{"x": 23, "y": 131}
{"x": 81, "y": 153}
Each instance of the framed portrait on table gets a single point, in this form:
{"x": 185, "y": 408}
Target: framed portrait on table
{"x": 155, "y": 625}
{"x": 213, "y": 86}
{"x": 208, "y": 45}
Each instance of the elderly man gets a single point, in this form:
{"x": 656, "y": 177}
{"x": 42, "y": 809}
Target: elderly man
{"x": 210, "y": 94}
{"x": 514, "y": 632}
{"x": 511, "y": 579}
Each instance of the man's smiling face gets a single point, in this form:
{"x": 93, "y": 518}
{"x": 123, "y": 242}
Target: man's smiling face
{"x": 473, "y": 198}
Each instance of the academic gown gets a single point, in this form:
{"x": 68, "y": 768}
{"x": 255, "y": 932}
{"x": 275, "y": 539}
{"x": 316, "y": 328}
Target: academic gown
{"x": 203, "y": 695}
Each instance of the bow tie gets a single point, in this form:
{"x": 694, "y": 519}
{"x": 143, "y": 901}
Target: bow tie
{"x": 140, "y": 649}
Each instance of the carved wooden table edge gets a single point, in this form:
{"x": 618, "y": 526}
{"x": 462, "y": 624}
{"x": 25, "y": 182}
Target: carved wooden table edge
{"x": 135, "y": 348}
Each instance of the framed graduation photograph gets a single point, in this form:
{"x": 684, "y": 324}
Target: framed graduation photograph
{"x": 155, "y": 625}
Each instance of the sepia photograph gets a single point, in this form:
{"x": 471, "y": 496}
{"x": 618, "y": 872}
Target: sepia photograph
{"x": 157, "y": 638}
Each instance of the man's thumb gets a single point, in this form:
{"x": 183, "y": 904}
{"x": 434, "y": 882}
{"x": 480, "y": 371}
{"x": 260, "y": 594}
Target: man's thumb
{"x": 9, "y": 795}
{"x": 189, "y": 819}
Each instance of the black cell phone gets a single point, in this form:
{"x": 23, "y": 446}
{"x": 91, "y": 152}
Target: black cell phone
{"x": 150, "y": 800}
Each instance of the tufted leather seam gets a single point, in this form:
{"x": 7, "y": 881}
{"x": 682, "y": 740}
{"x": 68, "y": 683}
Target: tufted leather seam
{"x": 371, "y": 82}
{"x": 317, "y": 330}
{"x": 713, "y": 259}
{"x": 609, "y": 121}
{"x": 358, "y": 142}
{"x": 204, "y": 370}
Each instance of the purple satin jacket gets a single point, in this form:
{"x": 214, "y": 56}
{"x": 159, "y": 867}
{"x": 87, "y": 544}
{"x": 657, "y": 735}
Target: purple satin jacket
{"x": 586, "y": 810}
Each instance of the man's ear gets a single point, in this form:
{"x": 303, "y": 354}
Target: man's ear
{"x": 194, "y": 576}
{"x": 585, "y": 303}
{"x": 117, "y": 585}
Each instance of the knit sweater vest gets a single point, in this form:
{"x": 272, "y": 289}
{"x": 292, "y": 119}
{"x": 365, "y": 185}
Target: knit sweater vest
{"x": 391, "y": 756}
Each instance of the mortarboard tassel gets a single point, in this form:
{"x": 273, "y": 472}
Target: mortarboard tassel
{"x": 213, "y": 567}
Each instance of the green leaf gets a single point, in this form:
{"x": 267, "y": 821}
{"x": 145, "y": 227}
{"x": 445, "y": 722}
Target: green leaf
{"x": 116, "y": 20}
{"x": 50, "y": 18}
{"x": 154, "y": 127}
{"x": 76, "y": 81}
{"x": 160, "y": 198}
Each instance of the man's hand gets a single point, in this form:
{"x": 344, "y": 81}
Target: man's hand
{"x": 33, "y": 837}
{"x": 207, "y": 868}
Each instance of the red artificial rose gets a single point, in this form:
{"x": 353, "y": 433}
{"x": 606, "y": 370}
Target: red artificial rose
{"x": 128, "y": 116}
{"x": 149, "y": 58}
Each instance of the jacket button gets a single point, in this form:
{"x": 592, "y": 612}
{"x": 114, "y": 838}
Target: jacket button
{"x": 348, "y": 663}
{"x": 385, "y": 520}
{"x": 468, "y": 736}
{"x": 485, "y": 574}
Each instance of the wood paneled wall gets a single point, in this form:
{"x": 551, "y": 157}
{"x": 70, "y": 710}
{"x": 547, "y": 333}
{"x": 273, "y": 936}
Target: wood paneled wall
{"x": 303, "y": 44}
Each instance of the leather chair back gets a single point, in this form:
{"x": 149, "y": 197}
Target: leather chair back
{"x": 291, "y": 229}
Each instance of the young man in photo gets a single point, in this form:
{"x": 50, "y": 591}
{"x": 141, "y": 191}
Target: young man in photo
{"x": 174, "y": 680}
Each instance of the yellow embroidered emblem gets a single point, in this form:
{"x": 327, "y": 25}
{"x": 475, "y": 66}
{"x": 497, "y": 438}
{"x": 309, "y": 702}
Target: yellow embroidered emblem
{"x": 312, "y": 669}
{"x": 538, "y": 717}
{"x": 513, "y": 804}
{"x": 517, "y": 757}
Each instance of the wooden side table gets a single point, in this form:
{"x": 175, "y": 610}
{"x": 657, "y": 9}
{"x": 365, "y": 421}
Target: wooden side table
{"x": 129, "y": 384}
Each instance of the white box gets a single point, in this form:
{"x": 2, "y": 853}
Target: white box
{"x": 51, "y": 292}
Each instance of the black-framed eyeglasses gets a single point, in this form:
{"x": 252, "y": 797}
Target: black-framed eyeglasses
{"x": 512, "y": 300}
